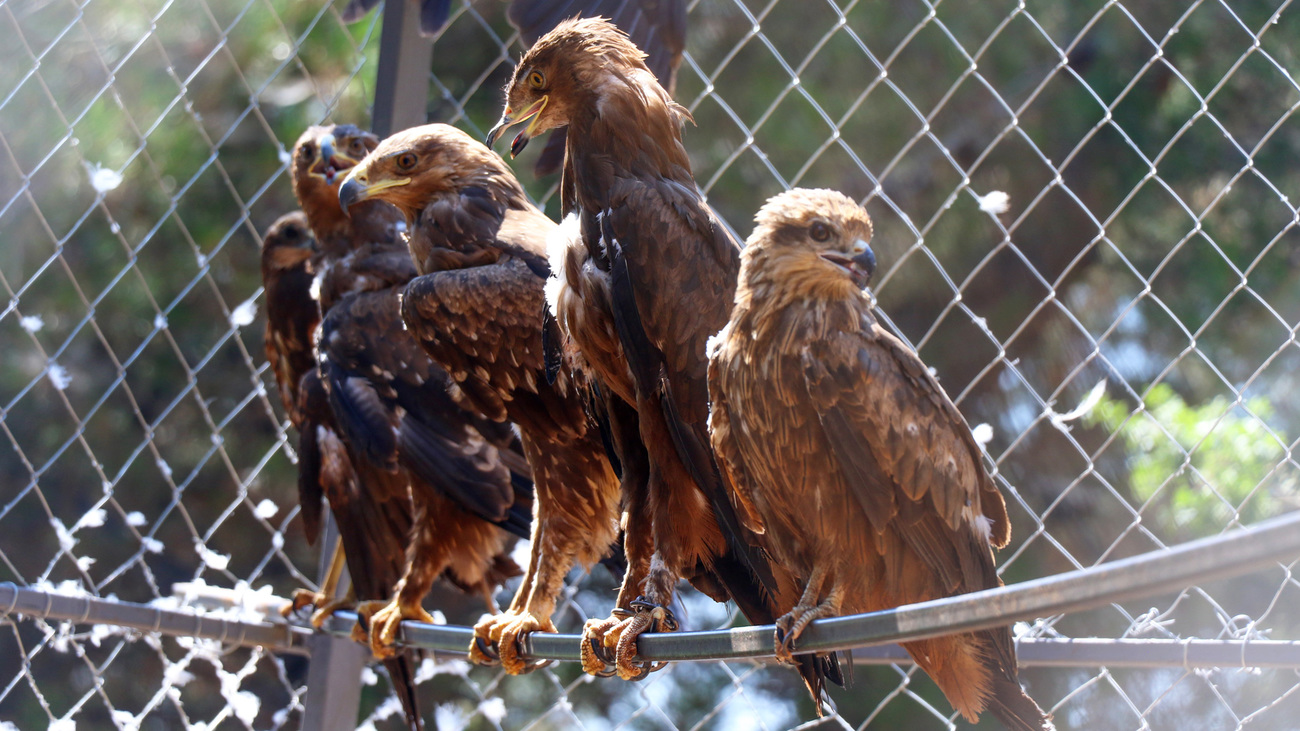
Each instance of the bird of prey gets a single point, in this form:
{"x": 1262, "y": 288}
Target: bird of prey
{"x": 400, "y": 415}
{"x": 373, "y": 520}
{"x": 645, "y": 276}
{"x": 658, "y": 26}
{"x": 846, "y": 457}
{"x": 480, "y": 247}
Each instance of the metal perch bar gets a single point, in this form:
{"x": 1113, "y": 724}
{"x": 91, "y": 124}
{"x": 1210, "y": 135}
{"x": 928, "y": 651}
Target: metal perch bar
{"x": 281, "y": 637}
{"x": 1149, "y": 574}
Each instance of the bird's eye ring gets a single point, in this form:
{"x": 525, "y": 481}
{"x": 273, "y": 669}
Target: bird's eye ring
{"x": 819, "y": 231}
{"x": 536, "y": 79}
{"x": 406, "y": 160}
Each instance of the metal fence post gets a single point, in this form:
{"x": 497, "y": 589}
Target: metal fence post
{"x": 402, "y": 80}
{"x": 334, "y": 676}
{"x": 333, "y": 684}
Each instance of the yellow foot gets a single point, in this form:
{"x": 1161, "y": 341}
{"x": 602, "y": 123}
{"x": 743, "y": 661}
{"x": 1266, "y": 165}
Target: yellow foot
{"x": 613, "y": 640}
{"x": 497, "y": 639}
{"x": 303, "y": 598}
{"x": 383, "y": 620}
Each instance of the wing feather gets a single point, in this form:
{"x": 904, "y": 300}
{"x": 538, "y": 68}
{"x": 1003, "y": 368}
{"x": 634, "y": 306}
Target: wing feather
{"x": 907, "y": 457}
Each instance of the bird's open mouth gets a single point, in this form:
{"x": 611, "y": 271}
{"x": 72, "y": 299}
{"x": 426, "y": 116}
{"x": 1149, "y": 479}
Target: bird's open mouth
{"x": 330, "y": 167}
{"x": 859, "y": 267}
{"x": 533, "y": 112}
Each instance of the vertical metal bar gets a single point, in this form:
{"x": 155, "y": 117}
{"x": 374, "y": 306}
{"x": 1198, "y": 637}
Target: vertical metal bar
{"x": 333, "y": 684}
{"x": 402, "y": 81}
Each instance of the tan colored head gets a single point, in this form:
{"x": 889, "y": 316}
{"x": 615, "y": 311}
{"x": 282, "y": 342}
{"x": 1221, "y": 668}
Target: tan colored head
{"x": 820, "y": 235}
{"x": 323, "y": 155}
{"x": 561, "y": 73}
{"x": 288, "y": 243}
{"x": 411, "y": 166}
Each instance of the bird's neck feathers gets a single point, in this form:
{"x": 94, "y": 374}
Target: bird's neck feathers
{"x": 339, "y": 234}
{"x": 629, "y": 119}
{"x": 789, "y": 294}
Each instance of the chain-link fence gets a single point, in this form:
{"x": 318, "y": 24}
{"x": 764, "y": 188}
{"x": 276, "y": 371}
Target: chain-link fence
{"x": 1085, "y": 224}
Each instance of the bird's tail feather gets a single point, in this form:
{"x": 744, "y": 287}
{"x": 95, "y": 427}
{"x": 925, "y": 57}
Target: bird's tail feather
{"x": 1014, "y": 708}
{"x": 401, "y": 672}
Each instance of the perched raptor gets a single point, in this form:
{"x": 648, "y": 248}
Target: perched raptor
{"x": 645, "y": 274}
{"x": 658, "y": 26}
{"x": 480, "y": 247}
{"x": 373, "y": 513}
{"x": 845, "y": 455}
{"x": 400, "y": 415}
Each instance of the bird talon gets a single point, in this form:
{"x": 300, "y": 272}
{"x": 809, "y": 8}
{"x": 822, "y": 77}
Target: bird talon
{"x": 487, "y": 651}
{"x": 534, "y": 666}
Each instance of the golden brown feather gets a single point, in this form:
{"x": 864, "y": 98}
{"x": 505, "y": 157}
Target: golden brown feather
{"x": 645, "y": 276}
{"x": 479, "y": 245}
{"x": 847, "y": 457}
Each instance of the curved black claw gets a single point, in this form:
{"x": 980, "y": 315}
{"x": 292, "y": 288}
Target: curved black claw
{"x": 598, "y": 649}
{"x": 666, "y": 623}
{"x": 488, "y": 651}
{"x": 535, "y": 666}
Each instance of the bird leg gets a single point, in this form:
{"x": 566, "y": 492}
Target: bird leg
{"x": 324, "y": 601}
{"x": 792, "y": 624}
{"x": 497, "y": 638}
{"x": 384, "y": 619}
{"x": 648, "y": 613}
{"x": 596, "y": 660}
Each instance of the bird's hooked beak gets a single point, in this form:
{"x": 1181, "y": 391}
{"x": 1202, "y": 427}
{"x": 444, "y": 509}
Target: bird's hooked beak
{"x": 508, "y": 119}
{"x": 329, "y": 163}
{"x": 358, "y": 187}
{"x": 859, "y": 263}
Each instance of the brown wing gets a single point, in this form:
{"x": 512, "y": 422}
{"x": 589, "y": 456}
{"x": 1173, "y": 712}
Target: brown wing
{"x": 731, "y": 461}
{"x": 369, "y": 268}
{"x": 396, "y": 407}
{"x": 907, "y": 455}
{"x": 657, "y": 27}
{"x": 291, "y": 315}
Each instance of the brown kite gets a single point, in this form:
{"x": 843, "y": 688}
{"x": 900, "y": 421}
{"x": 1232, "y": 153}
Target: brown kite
{"x": 374, "y": 516}
{"x": 645, "y": 277}
{"x": 845, "y": 455}
{"x": 480, "y": 247}
{"x": 402, "y": 418}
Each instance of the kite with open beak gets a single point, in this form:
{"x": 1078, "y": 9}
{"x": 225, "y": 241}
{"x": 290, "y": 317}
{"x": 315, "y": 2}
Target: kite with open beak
{"x": 508, "y": 119}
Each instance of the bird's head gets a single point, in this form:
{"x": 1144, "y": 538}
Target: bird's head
{"x": 288, "y": 243}
{"x": 413, "y": 165}
{"x": 323, "y": 155}
{"x": 560, "y": 74}
{"x": 818, "y": 237}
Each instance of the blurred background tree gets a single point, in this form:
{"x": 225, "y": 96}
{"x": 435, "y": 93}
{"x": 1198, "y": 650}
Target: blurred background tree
{"x": 1146, "y": 152}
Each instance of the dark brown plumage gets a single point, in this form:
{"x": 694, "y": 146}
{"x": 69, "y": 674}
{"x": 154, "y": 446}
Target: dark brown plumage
{"x": 644, "y": 277}
{"x": 371, "y": 507}
{"x": 846, "y": 456}
{"x": 479, "y": 245}
{"x": 408, "y": 430}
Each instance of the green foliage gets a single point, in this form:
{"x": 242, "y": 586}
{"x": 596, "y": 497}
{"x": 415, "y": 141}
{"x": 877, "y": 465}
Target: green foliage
{"x": 1196, "y": 468}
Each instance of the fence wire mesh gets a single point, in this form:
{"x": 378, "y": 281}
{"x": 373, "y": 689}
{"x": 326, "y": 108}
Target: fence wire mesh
{"x": 1085, "y": 221}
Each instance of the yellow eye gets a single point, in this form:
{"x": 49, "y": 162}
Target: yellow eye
{"x": 536, "y": 79}
{"x": 406, "y": 160}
